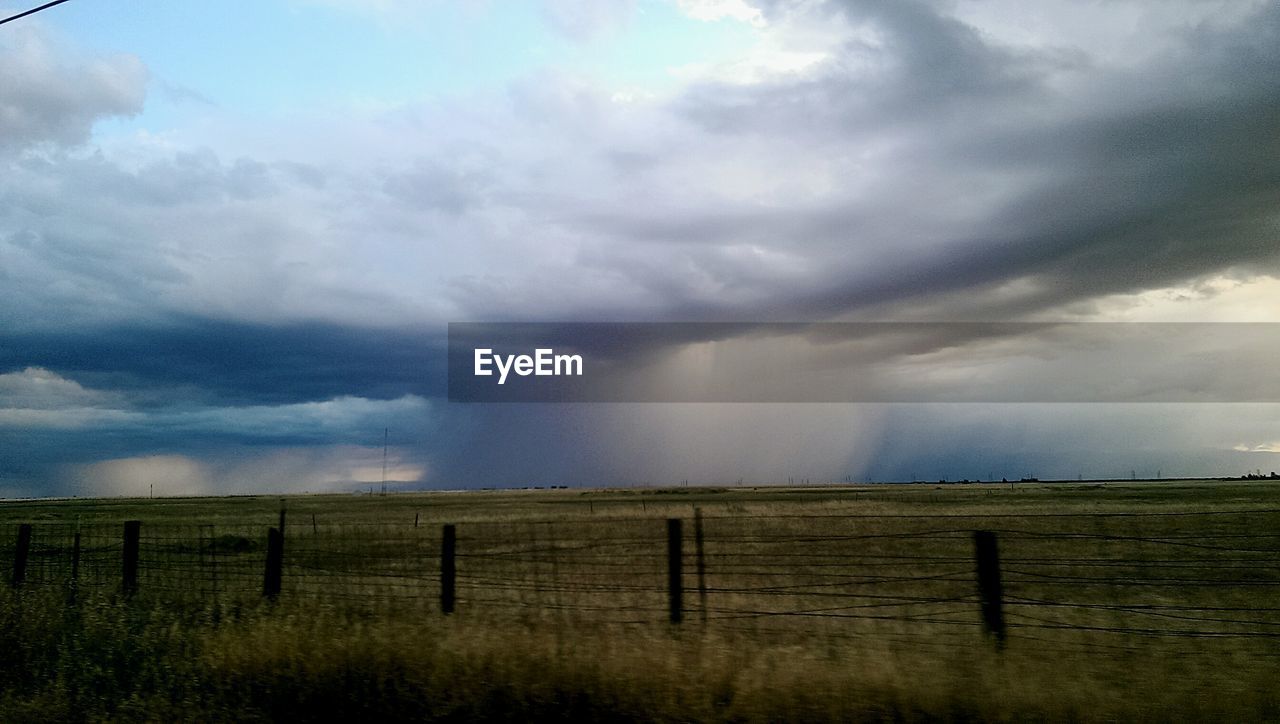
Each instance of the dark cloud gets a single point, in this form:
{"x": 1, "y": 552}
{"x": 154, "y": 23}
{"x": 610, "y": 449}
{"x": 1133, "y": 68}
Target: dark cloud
{"x": 220, "y": 399}
{"x": 202, "y": 299}
{"x": 1003, "y": 165}
{"x": 228, "y": 363}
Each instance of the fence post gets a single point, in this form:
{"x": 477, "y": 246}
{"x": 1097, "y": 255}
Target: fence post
{"x": 132, "y": 534}
{"x": 675, "y": 578}
{"x": 75, "y": 559}
{"x": 275, "y": 563}
{"x": 281, "y": 526}
{"x": 213, "y": 561}
{"x": 20, "y": 554}
{"x": 702, "y": 562}
{"x": 989, "y": 588}
{"x": 448, "y": 570}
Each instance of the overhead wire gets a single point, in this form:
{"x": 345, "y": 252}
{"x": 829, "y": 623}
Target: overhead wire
{"x": 32, "y": 11}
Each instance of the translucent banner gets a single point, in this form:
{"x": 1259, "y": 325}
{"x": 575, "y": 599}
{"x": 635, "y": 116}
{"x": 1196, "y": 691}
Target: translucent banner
{"x": 864, "y": 362}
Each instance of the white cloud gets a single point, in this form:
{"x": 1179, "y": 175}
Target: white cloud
{"x": 283, "y": 470}
{"x": 324, "y": 419}
{"x": 1218, "y": 297}
{"x": 39, "y": 399}
{"x": 52, "y": 94}
{"x": 787, "y": 48}
{"x": 36, "y": 388}
{"x": 1267, "y": 447}
{"x": 711, "y": 10}
{"x": 67, "y": 418}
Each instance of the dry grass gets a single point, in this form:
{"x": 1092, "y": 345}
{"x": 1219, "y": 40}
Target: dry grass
{"x": 554, "y": 625}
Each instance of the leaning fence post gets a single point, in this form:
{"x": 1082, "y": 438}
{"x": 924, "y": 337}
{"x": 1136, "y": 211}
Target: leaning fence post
{"x": 989, "y": 589}
{"x": 702, "y": 563}
{"x": 275, "y": 563}
{"x": 675, "y": 588}
{"x": 129, "y": 561}
{"x": 20, "y": 554}
{"x": 448, "y": 570}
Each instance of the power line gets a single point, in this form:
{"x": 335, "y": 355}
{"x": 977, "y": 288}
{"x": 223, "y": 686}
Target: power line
{"x": 32, "y": 11}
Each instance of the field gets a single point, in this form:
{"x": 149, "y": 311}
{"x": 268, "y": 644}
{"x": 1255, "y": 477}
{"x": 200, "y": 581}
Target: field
{"x": 1124, "y": 601}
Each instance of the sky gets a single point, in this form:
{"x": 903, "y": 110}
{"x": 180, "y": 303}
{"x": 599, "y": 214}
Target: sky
{"x": 232, "y": 236}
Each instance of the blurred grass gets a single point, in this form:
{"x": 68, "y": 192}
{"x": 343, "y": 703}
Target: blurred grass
{"x": 110, "y": 661}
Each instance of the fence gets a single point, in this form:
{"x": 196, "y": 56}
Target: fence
{"x": 1112, "y": 580}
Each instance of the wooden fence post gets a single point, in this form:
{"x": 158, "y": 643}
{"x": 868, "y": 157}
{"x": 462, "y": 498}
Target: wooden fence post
{"x": 990, "y": 591}
{"x": 271, "y": 577}
{"x": 448, "y": 569}
{"x": 213, "y": 562}
{"x": 702, "y": 562}
{"x": 675, "y": 577}
{"x": 129, "y": 559}
{"x": 75, "y": 559}
{"x": 20, "y": 554}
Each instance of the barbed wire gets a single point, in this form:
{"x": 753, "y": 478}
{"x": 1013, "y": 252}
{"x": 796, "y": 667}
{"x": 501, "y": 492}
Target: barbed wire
{"x": 1169, "y": 575}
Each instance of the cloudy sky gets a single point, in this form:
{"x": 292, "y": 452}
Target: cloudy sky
{"x": 232, "y": 235}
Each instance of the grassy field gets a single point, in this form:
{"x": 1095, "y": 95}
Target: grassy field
{"x": 1124, "y": 601}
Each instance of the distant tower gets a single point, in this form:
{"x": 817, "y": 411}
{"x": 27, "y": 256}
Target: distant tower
{"x": 386, "y": 432}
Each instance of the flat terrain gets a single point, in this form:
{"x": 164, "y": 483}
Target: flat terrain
{"x": 1120, "y": 600}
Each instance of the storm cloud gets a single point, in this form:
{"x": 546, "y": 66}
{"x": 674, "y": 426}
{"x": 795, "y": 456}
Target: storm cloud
{"x": 255, "y": 285}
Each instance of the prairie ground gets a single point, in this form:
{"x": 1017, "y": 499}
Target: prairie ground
{"x": 1144, "y": 601}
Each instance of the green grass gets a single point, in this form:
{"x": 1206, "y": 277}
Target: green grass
{"x": 562, "y": 607}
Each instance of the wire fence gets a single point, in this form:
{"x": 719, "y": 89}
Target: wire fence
{"x": 1108, "y": 581}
